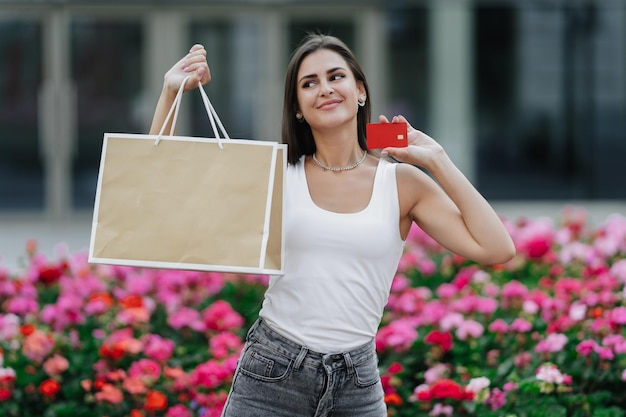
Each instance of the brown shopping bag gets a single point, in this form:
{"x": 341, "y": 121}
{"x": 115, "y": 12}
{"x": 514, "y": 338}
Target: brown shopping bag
{"x": 208, "y": 204}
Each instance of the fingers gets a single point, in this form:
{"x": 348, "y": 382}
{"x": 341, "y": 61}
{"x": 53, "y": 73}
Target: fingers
{"x": 195, "y": 64}
{"x": 395, "y": 119}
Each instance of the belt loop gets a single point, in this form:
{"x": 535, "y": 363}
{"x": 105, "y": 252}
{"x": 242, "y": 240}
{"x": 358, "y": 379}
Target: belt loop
{"x": 303, "y": 351}
{"x": 253, "y": 327}
{"x": 349, "y": 364}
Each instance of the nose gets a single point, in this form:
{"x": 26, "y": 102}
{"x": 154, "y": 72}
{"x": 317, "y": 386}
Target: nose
{"x": 326, "y": 89}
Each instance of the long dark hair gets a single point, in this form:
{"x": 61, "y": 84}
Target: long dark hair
{"x": 297, "y": 135}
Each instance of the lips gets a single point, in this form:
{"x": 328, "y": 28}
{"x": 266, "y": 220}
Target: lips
{"x": 328, "y": 104}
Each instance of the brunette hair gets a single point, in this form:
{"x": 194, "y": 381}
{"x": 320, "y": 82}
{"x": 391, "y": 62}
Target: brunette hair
{"x": 297, "y": 135}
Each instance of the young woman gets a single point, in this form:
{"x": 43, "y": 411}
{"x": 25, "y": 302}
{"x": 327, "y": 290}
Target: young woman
{"x": 347, "y": 214}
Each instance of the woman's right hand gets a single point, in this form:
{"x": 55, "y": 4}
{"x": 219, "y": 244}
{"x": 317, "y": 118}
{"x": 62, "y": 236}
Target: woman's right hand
{"x": 194, "y": 64}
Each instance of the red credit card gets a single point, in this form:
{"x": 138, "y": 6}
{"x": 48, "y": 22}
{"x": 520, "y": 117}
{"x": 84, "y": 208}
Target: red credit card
{"x": 383, "y": 135}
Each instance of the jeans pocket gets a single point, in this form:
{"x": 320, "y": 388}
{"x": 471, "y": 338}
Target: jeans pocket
{"x": 366, "y": 372}
{"x": 265, "y": 365}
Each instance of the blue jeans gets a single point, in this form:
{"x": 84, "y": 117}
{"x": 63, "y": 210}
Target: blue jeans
{"x": 277, "y": 377}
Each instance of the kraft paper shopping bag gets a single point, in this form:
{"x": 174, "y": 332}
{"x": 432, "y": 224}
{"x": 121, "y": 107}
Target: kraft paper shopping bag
{"x": 208, "y": 204}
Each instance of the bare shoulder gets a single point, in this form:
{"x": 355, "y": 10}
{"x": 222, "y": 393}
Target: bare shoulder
{"x": 414, "y": 186}
{"x": 413, "y": 180}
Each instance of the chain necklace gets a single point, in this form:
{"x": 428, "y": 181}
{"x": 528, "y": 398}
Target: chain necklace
{"x": 337, "y": 169}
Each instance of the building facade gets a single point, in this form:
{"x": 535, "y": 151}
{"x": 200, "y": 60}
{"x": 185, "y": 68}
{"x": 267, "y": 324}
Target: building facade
{"x": 528, "y": 97}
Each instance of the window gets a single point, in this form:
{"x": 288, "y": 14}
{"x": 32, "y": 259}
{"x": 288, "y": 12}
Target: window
{"x": 550, "y": 101}
{"x": 107, "y": 70}
{"x": 21, "y": 165}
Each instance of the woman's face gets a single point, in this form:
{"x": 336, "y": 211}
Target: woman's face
{"x": 327, "y": 90}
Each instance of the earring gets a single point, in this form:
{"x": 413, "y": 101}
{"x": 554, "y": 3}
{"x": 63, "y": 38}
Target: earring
{"x": 299, "y": 117}
{"x": 361, "y": 101}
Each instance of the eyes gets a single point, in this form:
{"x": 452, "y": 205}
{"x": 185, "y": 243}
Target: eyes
{"x": 331, "y": 78}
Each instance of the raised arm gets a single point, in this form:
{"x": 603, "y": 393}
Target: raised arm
{"x": 193, "y": 64}
{"x": 450, "y": 210}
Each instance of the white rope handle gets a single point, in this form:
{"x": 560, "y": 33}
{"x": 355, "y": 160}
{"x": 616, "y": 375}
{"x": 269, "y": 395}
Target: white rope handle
{"x": 209, "y": 110}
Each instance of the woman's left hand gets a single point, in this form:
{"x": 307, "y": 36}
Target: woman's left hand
{"x": 421, "y": 149}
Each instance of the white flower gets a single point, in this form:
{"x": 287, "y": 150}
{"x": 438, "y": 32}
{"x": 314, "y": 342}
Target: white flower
{"x": 549, "y": 373}
{"x": 476, "y": 385}
{"x": 577, "y": 311}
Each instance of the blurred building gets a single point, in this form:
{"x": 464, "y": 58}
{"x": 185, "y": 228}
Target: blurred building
{"x": 527, "y": 96}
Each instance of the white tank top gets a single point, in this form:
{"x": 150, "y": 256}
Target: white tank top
{"x": 338, "y": 266}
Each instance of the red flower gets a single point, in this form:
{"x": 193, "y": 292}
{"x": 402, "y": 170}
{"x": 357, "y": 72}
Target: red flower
{"x": 393, "y": 399}
{"x": 114, "y": 351}
{"x": 49, "y": 387}
{"x": 27, "y": 329}
{"x": 395, "y": 368}
{"x": 136, "y": 413}
{"x": 102, "y": 297}
{"x": 155, "y": 401}
{"x": 5, "y": 394}
{"x": 447, "y": 388}
{"x": 50, "y": 274}
{"x": 443, "y": 339}
{"x": 131, "y": 301}
{"x": 99, "y": 383}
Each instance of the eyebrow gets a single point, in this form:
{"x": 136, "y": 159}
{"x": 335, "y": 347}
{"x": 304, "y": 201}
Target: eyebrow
{"x": 330, "y": 71}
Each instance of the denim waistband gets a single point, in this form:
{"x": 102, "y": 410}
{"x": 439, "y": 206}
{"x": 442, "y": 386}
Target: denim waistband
{"x": 263, "y": 333}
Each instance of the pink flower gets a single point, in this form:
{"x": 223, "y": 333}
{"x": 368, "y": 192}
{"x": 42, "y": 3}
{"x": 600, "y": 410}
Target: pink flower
{"x": 439, "y": 409}
{"x": 469, "y": 328}
{"x": 209, "y": 375}
{"x": 158, "y": 348}
{"x": 9, "y": 326}
{"x": 451, "y": 321}
{"x": 521, "y": 326}
{"x": 555, "y": 342}
{"x": 486, "y": 305}
{"x": 109, "y": 394}
{"x": 624, "y": 375}
{"x": 186, "y": 317}
{"x": 535, "y": 239}
{"x": 436, "y": 372}
{"x": 224, "y": 344}
{"x": 510, "y": 386}
{"x": 604, "y": 353}
{"x": 618, "y": 269}
{"x": 585, "y": 347}
{"x": 179, "y": 410}
{"x": 497, "y": 399}
{"x": 37, "y": 346}
{"x": 146, "y": 368}
{"x": 514, "y": 289}
{"x": 22, "y": 306}
{"x": 398, "y": 335}
{"x": 618, "y": 315}
{"x": 135, "y": 385}
{"x": 498, "y": 326}
{"x": 523, "y": 360}
{"x": 220, "y": 317}
{"x": 56, "y": 365}
{"x": 446, "y": 290}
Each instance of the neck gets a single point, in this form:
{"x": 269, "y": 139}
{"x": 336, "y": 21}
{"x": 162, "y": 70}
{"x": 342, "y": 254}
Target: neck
{"x": 338, "y": 148}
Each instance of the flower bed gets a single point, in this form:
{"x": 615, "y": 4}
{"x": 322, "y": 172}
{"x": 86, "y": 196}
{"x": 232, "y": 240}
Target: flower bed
{"x": 542, "y": 335}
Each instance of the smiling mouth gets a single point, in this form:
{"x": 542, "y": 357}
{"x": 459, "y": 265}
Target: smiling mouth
{"x": 328, "y": 104}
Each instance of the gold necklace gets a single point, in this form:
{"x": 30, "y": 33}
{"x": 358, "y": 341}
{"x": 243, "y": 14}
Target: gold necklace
{"x": 336, "y": 169}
